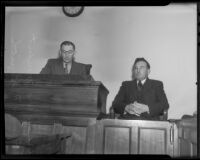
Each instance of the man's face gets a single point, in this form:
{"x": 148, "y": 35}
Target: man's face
{"x": 67, "y": 53}
{"x": 140, "y": 70}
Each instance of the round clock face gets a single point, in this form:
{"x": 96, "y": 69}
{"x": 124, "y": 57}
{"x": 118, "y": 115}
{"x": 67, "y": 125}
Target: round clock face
{"x": 72, "y": 11}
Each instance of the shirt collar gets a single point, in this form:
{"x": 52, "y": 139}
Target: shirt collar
{"x": 66, "y": 64}
{"x": 143, "y": 81}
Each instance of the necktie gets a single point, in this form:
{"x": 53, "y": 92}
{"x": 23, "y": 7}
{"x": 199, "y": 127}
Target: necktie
{"x": 139, "y": 85}
{"x": 66, "y": 70}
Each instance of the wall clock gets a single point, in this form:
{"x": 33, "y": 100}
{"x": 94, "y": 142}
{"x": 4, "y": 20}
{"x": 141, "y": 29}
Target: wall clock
{"x": 73, "y": 11}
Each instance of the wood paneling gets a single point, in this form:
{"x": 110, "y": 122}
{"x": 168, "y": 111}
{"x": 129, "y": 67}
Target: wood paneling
{"x": 53, "y": 96}
{"x": 56, "y": 94}
{"x": 135, "y": 137}
{"x": 81, "y": 141}
{"x": 106, "y": 136}
{"x": 77, "y": 143}
{"x": 56, "y": 104}
{"x": 47, "y": 105}
{"x": 116, "y": 140}
{"x": 187, "y": 137}
{"x": 152, "y": 141}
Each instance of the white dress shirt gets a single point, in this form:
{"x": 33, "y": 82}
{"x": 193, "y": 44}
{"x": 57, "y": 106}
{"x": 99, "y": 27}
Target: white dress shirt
{"x": 143, "y": 81}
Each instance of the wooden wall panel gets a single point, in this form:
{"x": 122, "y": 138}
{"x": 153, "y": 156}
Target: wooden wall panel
{"x": 187, "y": 137}
{"x": 152, "y": 141}
{"x": 77, "y": 143}
{"x": 135, "y": 137}
{"x": 117, "y": 140}
{"x": 185, "y": 148}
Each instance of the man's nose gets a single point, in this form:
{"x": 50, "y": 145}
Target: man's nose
{"x": 66, "y": 55}
{"x": 137, "y": 70}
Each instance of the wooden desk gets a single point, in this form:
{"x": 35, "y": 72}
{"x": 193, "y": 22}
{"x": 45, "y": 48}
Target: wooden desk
{"x": 136, "y": 137}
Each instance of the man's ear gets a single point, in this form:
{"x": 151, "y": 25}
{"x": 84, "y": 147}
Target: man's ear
{"x": 133, "y": 75}
{"x": 148, "y": 71}
{"x": 74, "y": 53}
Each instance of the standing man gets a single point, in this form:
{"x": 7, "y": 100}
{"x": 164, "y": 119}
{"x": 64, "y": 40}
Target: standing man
{"x": 65, "y": 63}
{"x": 141, "y": 98}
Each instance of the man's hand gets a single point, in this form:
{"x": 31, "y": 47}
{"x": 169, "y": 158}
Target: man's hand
{"x": 140, "y": 108}
{"x": 136, "y": 108}
{"x": 130, "y": 109}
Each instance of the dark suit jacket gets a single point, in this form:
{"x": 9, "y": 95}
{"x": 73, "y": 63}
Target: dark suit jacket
{"x": 55, "y": 66}
{"x": 153, "y": 95}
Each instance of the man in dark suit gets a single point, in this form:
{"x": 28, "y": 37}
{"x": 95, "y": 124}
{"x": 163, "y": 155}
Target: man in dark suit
{"x": 65, "y": 63}
{"x": 141, "y": 98}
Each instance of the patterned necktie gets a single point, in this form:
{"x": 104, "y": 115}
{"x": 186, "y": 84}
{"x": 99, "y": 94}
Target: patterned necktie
{"x": 139, "y": 85}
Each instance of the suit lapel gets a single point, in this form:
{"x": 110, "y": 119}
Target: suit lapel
{"x": 147, "y": 91}
{"x": 73, "y": 67}
{"x": 133, "y": 90}
{"x": 60, "y": 68}
{"x": 147, "y": 85}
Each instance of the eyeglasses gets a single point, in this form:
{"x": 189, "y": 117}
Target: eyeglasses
{"x": 141, "y": 67}
{"x": 67, "y": 52}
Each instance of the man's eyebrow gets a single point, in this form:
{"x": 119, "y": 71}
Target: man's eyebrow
{"x": 139, "y": 67}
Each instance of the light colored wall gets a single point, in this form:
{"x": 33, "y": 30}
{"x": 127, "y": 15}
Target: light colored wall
{"x": 110, "y": 38}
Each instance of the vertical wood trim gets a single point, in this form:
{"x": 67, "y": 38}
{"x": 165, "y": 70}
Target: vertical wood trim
{"x": 86, "y": 140}
{"x": 176, "y": 144}
{"x": 138, "y": 140}
{"x": 90, "y": 139}
{"x": 191, "y": 150}
{"x": 130, "y": 139}
{"x": 134, "y": 140}
{"x": 169, "y": 139}
{"x": 99, "y": 138}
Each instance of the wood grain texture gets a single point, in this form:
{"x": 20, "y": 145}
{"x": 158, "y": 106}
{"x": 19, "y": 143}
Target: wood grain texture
{"x": 187, "y": 137}
{"x": 13, "y": 128}
{"x": 48, "y": 105}
{"x": 152, "y": 141}
{"x": 77, "y": 143}
{"x": 116, "y": 140}
{"x": 53, "y": 95}
{"x": 135, "y": 137}
{"x": 81, "y": 140}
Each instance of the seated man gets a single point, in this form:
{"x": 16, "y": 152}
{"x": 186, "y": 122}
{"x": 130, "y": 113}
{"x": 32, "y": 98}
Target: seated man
{"x": 65, "y": 63}
{"x": 141, "y": 98}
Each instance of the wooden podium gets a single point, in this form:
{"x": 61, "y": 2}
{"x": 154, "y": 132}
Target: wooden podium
{"x": 54, "y": 95}
{"x": 55, "y": 104}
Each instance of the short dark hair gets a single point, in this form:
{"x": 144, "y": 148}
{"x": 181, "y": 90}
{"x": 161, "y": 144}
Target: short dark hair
{"x": 141, "y": 59}
{"x": 67, "y": 43}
